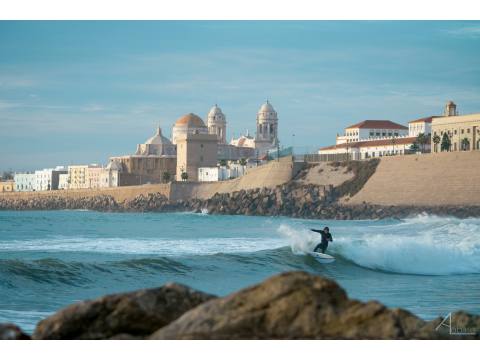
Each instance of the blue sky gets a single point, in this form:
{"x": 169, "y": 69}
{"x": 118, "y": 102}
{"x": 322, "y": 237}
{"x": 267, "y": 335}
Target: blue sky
{"x": 79, "y": 92}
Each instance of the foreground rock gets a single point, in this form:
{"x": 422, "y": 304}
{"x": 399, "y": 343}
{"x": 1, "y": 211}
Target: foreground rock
{"x": 298, "y": 306}
{"x": 121, "y": 316}
{"x": 12, "y": 332}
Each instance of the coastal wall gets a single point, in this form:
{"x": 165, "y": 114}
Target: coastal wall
{"x": 266, "y": 176}
{"x": 269, "y": 176}
{"x": 439, "y": 179}
{"x": 120, "y": 194}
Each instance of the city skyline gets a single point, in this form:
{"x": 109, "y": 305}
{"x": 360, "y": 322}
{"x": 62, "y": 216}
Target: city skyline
{"x": 79, "y": 92}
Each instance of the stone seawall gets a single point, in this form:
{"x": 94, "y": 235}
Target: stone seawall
{"x": 441, "y": 179}
{"x": 119, "y": 194}
{"x": 294, "y": 200}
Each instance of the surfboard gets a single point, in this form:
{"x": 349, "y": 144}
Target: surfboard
{"x": 322, "y": 258}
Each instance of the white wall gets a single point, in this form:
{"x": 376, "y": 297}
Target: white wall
{"x": 208, "y": 174}
{"x": 24, "y": 181}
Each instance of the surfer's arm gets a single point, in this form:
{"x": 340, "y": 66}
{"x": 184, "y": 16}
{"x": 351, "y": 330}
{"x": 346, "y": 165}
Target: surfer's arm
{"x": 317, "y": 231}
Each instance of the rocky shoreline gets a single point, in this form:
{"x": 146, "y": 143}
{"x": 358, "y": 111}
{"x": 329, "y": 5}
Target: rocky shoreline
{"x": 292, "y": 200}
{"x": 294, "y": 305}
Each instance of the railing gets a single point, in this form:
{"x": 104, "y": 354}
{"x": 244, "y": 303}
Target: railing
{"x": 312, "y": 158}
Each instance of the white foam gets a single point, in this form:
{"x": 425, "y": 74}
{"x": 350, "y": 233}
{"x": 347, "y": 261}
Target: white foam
{"x": 427, "y": 245}
{"x": 156, "y": 246}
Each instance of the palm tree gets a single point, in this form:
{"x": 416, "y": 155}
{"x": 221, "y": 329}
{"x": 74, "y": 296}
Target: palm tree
{"x": 414, "y": 147}
{"x": 465, "y": 144}
{"x": 446, "y": 142}
{"x": 436, "y": 141}
{"x": 394, "y": 141}
{"x": 166, "y": 176}
{"x": 422, "y": 140}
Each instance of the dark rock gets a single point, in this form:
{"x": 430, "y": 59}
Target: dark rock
{"x": 12, "y": 332}
{"x": 297, "y": 305}
{"x": 128, "y": 315}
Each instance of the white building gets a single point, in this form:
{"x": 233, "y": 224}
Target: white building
{"x": 372, "y": 129}
{"x": 110, "y": 176}
{"x": 371, "y": 148}
{"x": 24, "y": 181}
{"x": 211, "y": 174}
{"x": 420, "y": 126}
{"x": 63, "y": 181}
{"x": 221, "y": 173}
{"x": 48, "y": 179}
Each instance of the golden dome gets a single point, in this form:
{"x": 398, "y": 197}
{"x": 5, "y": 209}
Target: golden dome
{"x": 190, "y": 120}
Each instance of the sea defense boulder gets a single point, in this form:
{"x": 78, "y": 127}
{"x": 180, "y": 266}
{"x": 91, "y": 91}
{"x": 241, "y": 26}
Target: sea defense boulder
{"x": 129, "y": 315}
{"x": 297, "y": 305}
{"x": 12, "y": 332}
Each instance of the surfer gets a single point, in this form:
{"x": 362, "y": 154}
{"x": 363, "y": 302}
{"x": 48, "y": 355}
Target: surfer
{"x": 326, "y": 237}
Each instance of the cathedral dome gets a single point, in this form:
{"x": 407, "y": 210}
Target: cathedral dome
{"x": 190, "y": 121}
{"x": 158, "y": 139}
{"x": 215, "y": 116}
{"x": 267, "y": 108}
{"x": 114, "y": 165}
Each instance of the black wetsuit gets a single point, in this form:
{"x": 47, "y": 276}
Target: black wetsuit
{"x": 326, "y": 237}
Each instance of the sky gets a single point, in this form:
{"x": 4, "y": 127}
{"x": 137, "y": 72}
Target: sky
{"x": 78, "y": 92}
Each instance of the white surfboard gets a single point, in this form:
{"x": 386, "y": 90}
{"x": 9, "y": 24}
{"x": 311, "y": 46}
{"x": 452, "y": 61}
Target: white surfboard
{"x": 322, "y": 258}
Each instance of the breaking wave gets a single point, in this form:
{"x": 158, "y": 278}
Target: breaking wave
{"x": 423, "y": 245}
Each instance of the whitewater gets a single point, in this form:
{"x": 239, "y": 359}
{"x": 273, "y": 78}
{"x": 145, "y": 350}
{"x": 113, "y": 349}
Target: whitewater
{"x": 48, "y": 259}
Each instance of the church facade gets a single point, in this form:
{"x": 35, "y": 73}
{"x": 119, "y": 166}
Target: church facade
{"x": 245, "y": 146}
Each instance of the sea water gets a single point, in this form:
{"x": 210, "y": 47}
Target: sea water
{"x": 49, "y": 259}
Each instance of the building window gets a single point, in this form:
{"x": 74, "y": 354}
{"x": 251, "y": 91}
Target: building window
{"x": 468, "y": 131}
{"x": 455, "y": 132}
{"x": 463, "y": 131}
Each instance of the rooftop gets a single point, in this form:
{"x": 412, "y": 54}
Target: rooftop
{"x": 369, "y": 143}
{"x": 427, "y": 119}
{"x": 377, "y": 124}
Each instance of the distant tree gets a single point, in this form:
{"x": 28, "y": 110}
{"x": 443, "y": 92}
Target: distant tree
{"x": 223, "y": 162}
{"x": 393, "y": 141}
{"x": 422, "y": 140}
{"x": 436, "y": 140}
{"x": 414, "y": 147}
{"x": 184, "y": 176}
{"x": 166, "y": 176}
{"x": 465, "y": 143}
{"x": 243, "y": 162}
{"x": 7, "y": 175}
{"x": 446, "y": 142}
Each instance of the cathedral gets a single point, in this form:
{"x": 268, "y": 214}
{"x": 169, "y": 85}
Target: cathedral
{"x": 245, "y": 146}
{"x": 193, "y": 145}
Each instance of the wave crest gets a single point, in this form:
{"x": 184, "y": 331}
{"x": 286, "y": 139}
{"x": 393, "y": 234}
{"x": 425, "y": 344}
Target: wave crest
{"x": 423, "y": 245}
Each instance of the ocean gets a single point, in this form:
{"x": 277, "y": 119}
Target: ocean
{"x": 49, "y": 259}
